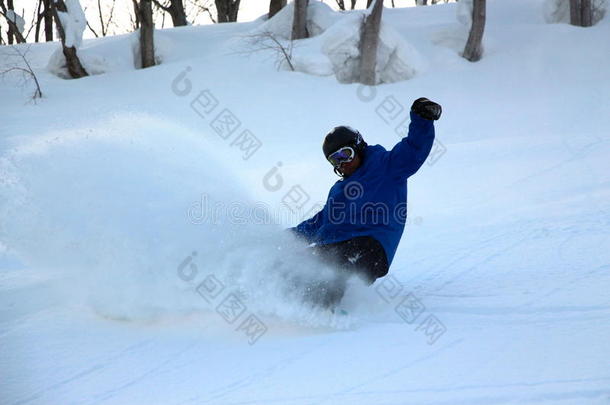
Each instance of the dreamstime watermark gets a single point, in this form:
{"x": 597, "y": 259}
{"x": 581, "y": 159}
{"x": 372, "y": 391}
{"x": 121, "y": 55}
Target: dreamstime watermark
{"x": 295, "y": 199}
{"x": 409, "y": 308}
{"x": 221, "y": 119}
{"x": 228, "y": 304}
{"x": 229, "y": 127}
{"x": 337, "y": 211}
{"x": 392, "y": 113}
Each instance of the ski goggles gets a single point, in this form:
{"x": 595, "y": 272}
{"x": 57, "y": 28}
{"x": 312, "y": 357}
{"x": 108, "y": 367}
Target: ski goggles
{"x": 343, "y": 155}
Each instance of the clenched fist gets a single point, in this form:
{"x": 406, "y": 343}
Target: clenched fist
{"x": 427, "y": 109}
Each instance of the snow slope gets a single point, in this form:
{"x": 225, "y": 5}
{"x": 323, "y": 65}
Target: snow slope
{"x": 110, "y": 183}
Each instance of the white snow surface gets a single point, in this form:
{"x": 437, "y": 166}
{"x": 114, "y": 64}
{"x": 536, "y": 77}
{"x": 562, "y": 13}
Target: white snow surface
{"x": 124, "y": 202}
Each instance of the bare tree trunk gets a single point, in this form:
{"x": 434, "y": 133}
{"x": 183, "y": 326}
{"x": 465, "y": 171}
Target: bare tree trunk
{"x": 11, "y": 28}
{"x": 353, "y": 4}
{"x": 581, "y": 13}
{"x": 75, "y": 68}
{"x": 586, "y": 16}
{"x": 39, "y": 15}
{"x": 474, "y": 47}
{"x": 227, "y": 10}
{"x": 136, "y": 19}
{"x": 147, "y": 28}
{"x": 575, "y": 13}
{"x": 48, "y": 20}
{"x": 369, "y": 42}
{"x": 368, "y": 3}
{"x": 3, "y": 14}
{"x": 175, "y": 10}
{"x": 275, "y": 6}
{"x": 299, "y": 23}
{"x": 341, "y": 4}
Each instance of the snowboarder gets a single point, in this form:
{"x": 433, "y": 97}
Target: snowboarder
{"x": 361, "y": 224}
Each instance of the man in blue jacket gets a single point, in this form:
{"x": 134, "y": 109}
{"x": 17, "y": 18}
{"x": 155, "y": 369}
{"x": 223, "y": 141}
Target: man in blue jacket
{"x": 361, "y": 224}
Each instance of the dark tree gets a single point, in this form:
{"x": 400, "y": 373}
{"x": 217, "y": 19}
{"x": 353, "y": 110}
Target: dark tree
{"x": 12, "y": 28}
{"x": 581, "y": 13}
{"x": 586, "y": 15}
{"x": 369, "y": 42}
{"x": 175, "y": 10}
{"x": 39, "y": 16}
{"x": 44, "y": 14}
{"x": 48, "y": 20}
{"x": 13, "y": 33}
{"x": 227, "y": 10}
{"x": 75, "y": 68}
{"x": 144, "y": 18}
{"x": 299, "y": 23}
{"x": 135, "y": 19}
{"x": 275, "y": 6}
{"x": 474, "y": 47}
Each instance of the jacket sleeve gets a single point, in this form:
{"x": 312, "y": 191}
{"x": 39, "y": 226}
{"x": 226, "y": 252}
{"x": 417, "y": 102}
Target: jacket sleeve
{"x": 411, "y": 152}
{"x": 309, "y": 227}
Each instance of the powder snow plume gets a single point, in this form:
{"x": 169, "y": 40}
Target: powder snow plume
{"x": 130, "y": 213}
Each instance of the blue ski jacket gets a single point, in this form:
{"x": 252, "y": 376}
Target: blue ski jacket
{"x": 372, "y": 201}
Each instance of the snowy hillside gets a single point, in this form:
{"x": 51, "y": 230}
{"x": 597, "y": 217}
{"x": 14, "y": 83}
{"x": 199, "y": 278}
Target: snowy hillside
{"x": 135, "y": 204}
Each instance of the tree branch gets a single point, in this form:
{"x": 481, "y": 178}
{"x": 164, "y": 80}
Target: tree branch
{"x": 18, "y": 35}
{"x": 258, "y": 42}
{"x": 161, "y": 6}
{"x": 92, "y": 30}
{"x": 27, "y": 71}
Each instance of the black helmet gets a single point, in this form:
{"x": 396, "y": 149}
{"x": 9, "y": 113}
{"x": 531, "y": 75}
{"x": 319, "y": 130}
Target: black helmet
{"x": 342, "y": 136}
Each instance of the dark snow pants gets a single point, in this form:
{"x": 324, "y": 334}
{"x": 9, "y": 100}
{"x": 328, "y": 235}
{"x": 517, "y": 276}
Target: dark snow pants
{"x": 362, "y": 256}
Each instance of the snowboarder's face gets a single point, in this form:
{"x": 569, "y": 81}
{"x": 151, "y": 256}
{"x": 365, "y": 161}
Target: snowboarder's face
{"x": 347, "y": 168}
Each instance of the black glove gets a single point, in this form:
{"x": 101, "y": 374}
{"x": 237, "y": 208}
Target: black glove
{"x": 427, "y": 109}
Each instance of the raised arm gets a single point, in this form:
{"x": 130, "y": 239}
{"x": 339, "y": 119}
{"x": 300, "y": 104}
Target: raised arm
{"x": 411, "y": 152}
